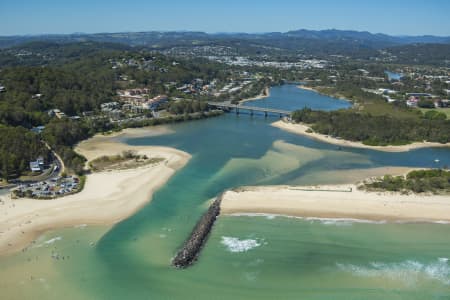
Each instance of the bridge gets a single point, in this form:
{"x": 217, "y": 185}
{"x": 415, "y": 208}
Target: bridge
{"x": 226, "y": 106}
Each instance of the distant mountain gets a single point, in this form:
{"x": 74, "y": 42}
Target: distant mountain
{"x": 431, "y": 54}
{"x": 308, "y": 42}
{"x": 334, "y": 34}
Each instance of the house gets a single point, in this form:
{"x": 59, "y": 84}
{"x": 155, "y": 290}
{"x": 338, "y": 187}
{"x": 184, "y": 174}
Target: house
{"x": 40, "y": 161}
{"x": 60, "y": 115}
{"x": 2, "y": 88}
{"x": 34, "y": 166}
{"x": 56, "y": 113}
{"x": 109, "y": 106}
{"x": 155, "y": 102}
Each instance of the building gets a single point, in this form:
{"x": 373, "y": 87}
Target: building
{"x": 38, "y": 129}
{"x": 40, "y": 161}
{"x": 2, "y": 88}
{"x": 35, "y": 166}
{"x": 109, "y": 106}
{"x": 56, "y": 113}
{"x": 155, "y": 102}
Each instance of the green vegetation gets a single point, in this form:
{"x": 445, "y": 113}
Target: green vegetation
{"x": 77, "y": 78}
{"x": 434, "y": 115}
{"x": 436, "y": 181}
{"x": 72, "y": 88}
{"x": 187, "y": 107}
{"x": 374, "y": 130}
{"x": 128, "y": 159}
{"x": 62, "y": 135}
{"x": 18, "y": 147}
{"x": 424, "y": 103}
{"x": 445, "y": 111}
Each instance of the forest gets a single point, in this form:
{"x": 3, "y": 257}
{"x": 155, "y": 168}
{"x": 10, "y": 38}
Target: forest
{"x": 375, "y": 129}
{"x": 77, "y": 78}
{"x": 435, "y": 181}
{"x": 18, "y": 147}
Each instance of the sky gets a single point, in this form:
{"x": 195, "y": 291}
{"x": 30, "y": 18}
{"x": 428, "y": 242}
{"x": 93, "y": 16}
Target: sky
{"x": 395, "y": 17}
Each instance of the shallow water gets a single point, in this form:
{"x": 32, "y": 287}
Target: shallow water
{"x": 246, "y": 257}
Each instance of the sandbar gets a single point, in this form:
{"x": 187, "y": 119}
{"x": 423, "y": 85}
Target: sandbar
{"x": 106, "y": 199}
{"x": 302, "y": 129}
{"x": 336, "y": 202}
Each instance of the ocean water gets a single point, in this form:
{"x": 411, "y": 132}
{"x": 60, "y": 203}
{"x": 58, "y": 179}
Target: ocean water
{"x": 246, "y": 257}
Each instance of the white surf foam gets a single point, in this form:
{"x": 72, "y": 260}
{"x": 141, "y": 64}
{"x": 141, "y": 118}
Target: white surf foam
{"x": 236, "y": 245}
{"x": 342, "y": 221}
{"x": 409, "y": 272}
{"x": 325, "y": 221}
{"x": 48, "y": 242}
{"x": 51, "y": 241}
{"x": 267, "y": 216}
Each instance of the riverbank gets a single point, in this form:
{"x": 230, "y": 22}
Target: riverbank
{"x": 307, "y": 88}
{"x": 107, "y": 198}
{"x": 336, "y": 202}
{"x": 265, "y": 94}
{"x": 336, "y": 96}
{"x": 303, "y": 130}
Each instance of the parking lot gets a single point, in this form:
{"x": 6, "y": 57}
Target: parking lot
{"x": 52, "y": 188}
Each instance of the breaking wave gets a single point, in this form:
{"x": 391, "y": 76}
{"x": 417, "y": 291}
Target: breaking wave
{"x": 409, "y": 272}
{"x": 236, "y": 245}
{"x": 48, "y": 242}
{"x": 324, "y": 221}
{"x": 51, "y": 241}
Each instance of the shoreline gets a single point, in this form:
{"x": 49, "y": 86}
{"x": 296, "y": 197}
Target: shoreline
{"x": 307, "y": 88}
{"x": 301, "y": 129}
{"x": 336, "y": 202}
{"x": 259, "y": 97}
{"x": 107, "y": 198}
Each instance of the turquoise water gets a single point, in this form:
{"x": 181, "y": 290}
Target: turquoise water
{"x": 245, "y": 257}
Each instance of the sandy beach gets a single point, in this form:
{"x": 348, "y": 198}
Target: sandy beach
{"x": 107, "y": 198}
{"x": 266, "y": 94}
{"x": 336, "y": 201}
{"x": 302, "y": 130}
{"x": 307, "y": 88}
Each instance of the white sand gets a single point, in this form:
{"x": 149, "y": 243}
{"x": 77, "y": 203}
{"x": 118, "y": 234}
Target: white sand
{"x": 107, "y": 198}
{"x": 292, "y": 201}
{"x": 301, "y": 129}
{"x": 266, "y": 94}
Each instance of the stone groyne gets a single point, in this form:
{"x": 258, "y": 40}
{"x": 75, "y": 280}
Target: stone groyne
{"x": 194, "y": 244}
